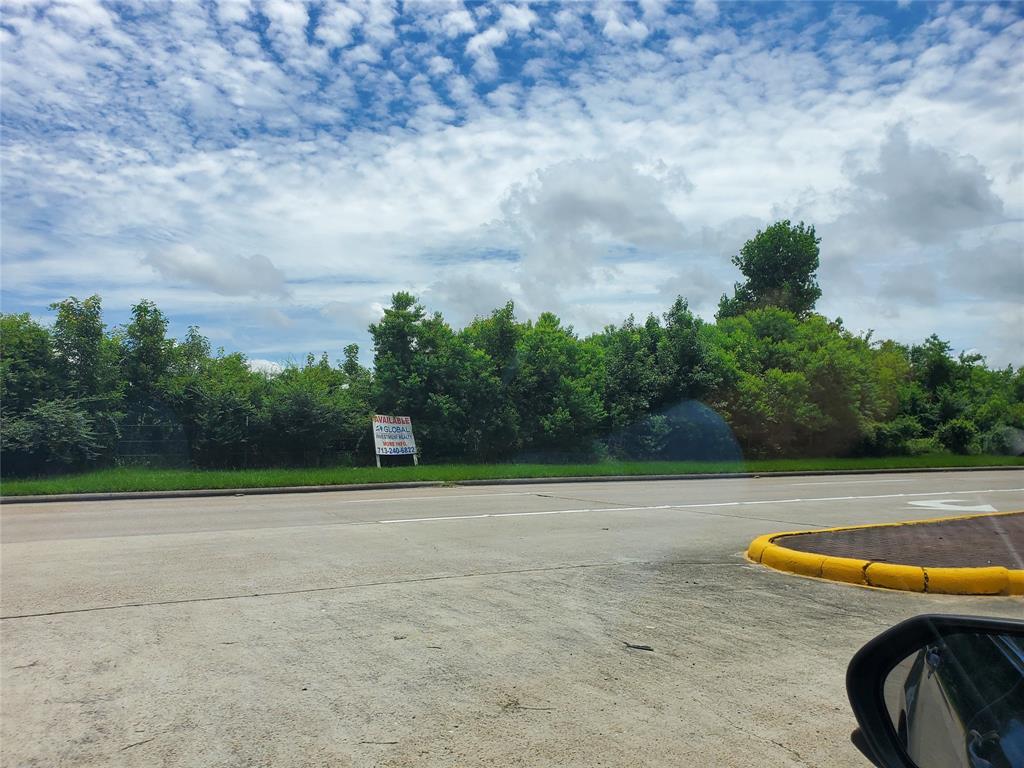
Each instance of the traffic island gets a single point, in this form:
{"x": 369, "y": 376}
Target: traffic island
{"x": 969, "y": 555}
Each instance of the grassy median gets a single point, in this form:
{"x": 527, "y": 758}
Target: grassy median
{"x": 137, "y": 479}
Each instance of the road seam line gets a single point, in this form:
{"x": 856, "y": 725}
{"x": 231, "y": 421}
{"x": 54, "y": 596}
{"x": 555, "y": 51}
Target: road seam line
{"x": 341, "y": 587}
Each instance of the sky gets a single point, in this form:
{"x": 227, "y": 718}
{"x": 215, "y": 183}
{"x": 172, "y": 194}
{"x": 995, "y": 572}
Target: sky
{"x": 272, "y": 171}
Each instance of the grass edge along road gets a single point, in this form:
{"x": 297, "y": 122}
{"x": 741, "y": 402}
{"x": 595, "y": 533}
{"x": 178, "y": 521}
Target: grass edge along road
{"x": 143, "y": 479}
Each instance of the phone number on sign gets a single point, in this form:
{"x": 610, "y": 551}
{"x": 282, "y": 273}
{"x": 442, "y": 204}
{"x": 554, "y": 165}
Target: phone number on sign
{"x": 396, "y": 451}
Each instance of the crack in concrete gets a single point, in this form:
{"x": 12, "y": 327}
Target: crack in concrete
{"x": 138, "y": 743}
{"x": 277, "y": 593}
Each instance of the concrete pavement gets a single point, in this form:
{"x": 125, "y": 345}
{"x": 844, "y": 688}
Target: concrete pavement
{"x": 481, "y": 626}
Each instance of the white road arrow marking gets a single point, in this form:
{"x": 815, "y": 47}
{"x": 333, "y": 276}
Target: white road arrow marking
{"x": 953, "y": 505}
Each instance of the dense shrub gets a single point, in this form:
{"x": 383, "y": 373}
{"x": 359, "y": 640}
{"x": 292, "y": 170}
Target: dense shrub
{"x": 890, "y": 438}
{"x": 924, "y": 446}
{"x": 51, "y": 435}
{"x": 959, "y": 436}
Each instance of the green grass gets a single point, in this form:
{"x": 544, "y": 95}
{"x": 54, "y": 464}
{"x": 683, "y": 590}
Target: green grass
{"x": 134, "y": 479}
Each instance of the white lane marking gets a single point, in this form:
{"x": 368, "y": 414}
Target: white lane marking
{"x": 953, "y": 505}
{"x": 440, "y": 496}
{"x": 854, "y": 482}
{"x": 689, "y": 506}
{"x": 529, "y": 514}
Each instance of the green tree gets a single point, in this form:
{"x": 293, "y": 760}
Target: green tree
{"x": 87, "y": 366}
{"x": 959, "y": 436}
{"x": 632, "y": 380}
{"x": 497, "y": 336}
{"x": 358, "y": 381}
{"x": 218, "y": 401}
{"x": 303, "y": 415}
{"x": 688, "y": 363}
{"x": 26, "y": 363}
{"x": 78, "y": 346}
{"x": 351, "y": 366}
{"x": 191, "y": 354}
{"x": 395, "y": 344}
{"x": 804, "y": 387}
{"x": 772, "y": 414}
{"x": 52, "y": 435}
{"x": 557, "y": 390}
{"x": 428, "y": 372}
{"x": 932, "y": 363}
{"x": 780, "y": 265}
{"x": 787, "y": 382}
{"x": 148, "y": 353}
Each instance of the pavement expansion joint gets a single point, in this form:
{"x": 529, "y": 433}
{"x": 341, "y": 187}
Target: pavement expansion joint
{"x": 362, "y": 585}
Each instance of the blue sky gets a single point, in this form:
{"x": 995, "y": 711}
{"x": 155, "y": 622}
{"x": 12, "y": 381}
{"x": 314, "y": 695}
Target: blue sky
{"x": 272, "y": 171}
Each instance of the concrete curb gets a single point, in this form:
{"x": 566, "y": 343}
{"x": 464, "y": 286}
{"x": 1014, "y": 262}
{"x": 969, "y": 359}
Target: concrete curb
{"x": 205, "y": 492}
{"x": 196, "y": 493}
{"x": 995, "y": 580}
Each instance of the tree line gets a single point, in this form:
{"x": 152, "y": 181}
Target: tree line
{"x": 768, "y": 378}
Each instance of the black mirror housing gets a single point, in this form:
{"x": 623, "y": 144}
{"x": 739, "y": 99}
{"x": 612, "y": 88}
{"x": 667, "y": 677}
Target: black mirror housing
{"x": 870, "y": 666}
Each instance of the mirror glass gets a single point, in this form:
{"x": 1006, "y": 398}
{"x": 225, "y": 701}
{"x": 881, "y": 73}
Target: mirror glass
{"x": 959, "y": 702}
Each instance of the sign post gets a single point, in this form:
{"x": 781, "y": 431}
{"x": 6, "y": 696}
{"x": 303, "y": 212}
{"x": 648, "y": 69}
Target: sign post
{"x": 392, "y": 436}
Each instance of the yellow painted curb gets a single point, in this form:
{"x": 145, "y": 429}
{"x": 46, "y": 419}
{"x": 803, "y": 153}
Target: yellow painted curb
{"x": 906, "y": 577}
{"x": 846, "y": 569}
{"x": 976, "y": 581}
{"x": 993, "y": 580}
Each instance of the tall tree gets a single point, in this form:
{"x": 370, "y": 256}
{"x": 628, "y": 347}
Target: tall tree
{"x": 631, "y": 382}
{"x": 428, "y": 372}
{"x": 78, "y": 344}
{"x": 556, "y": 391}
{"x": 497, "y": 336}
{"x": 689, "y": 369}
{"x": 394, "y": 345}
{"x": 26, "y": 363}
{"x": 147, "y": 351}
{"x": 191, "y": 353}
{"x": 780, "y": 265}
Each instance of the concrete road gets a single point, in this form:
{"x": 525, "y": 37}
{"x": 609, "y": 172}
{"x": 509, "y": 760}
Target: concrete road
{"x": 476, "y": 626}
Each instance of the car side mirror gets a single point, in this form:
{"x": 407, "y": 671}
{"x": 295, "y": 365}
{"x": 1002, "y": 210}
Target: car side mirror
{"x": 941, "y": 692}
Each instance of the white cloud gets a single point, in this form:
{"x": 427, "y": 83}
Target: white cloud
{"x": 570, "y": 215}
{"x": 921, "y": 192}
{"x": 269, "y": 367}
{"x": 514, "y": 19}
{"x": 337, "y": 24}
{"x": 231, "y": 276}
{"x": 439, "y": 65}
{"x": 705, "y": 9}
{"x": 653, "y": 10}
{"x": 378, "y": 155}
{"x": 353, "y": 314}
{"x": 233, "y": 11}
{"x": 266, "y": 316}
{"x": 517, "y": 17}
{"x": 481, "y": 47}
{"x": 458, "y": 22}
{"x": 618, "y": 25}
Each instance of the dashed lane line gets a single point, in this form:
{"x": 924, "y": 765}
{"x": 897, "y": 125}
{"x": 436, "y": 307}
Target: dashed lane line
{"x": 692, "y": 506}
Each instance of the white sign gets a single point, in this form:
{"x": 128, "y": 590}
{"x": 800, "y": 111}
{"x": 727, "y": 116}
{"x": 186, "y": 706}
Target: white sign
{"x": 392, "y": 436}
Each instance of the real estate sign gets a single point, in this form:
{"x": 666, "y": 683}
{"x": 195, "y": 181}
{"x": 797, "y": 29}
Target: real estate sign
{"x": 392, "y": 436}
